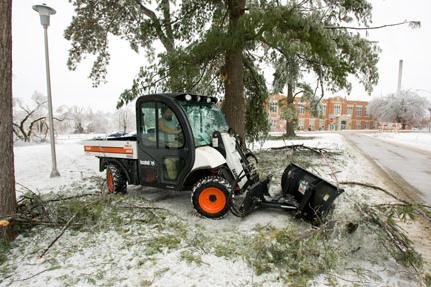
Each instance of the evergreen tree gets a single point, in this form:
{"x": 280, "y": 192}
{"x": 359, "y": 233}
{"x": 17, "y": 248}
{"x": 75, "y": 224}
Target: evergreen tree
{"x": 218, "y": 47}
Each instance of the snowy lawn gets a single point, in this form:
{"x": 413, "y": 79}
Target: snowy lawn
{"x": 421, "y": 140}
{"x": 118, "y": 241}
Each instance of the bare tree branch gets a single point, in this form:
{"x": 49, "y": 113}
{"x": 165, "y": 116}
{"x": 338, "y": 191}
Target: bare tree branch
{"x": 167, "y": 43}
{"x": 412, "y": 24}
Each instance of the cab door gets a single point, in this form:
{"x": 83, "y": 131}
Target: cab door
{"x": 165, "y": 142}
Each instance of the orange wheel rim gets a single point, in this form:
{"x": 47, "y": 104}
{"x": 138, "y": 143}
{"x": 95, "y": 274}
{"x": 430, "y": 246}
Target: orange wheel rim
{"x": 110, "y": 181}
{"x": 212, "y": 200}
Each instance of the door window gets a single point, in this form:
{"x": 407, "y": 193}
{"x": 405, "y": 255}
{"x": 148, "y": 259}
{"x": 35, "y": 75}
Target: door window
{"x": 170, "y": 132}
{"x": 148, "y": 124}
{"x": 163, "y": 140}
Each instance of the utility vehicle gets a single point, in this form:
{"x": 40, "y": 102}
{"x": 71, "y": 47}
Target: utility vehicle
{"x": 182, "y": 142}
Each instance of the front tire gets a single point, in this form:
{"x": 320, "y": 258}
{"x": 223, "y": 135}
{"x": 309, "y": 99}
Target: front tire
{"x": 210, "y": 196}
{"x": 115, "y": 179}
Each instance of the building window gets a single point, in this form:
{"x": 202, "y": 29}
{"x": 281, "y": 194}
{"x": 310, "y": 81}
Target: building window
{"x": 366, "y": 125}
{"x": 273, "y": 122}
{"x": 359, "y": 111}
{"x": 273, "y": 106}
{"x": 366, "y": 111}
{"x": 301, "y": 124}
{"x": 301, "y": 109}
{"x": 311, "y": 125}
{"x": 358, "y": 125}
{"x": 337, "y": 109}
{"x": 323, "y": 110}
{"x": 350, "y": 110}
{"x": 322, "y": 124}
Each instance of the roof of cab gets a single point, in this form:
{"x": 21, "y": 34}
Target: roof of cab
{"x": 183, "y": 97}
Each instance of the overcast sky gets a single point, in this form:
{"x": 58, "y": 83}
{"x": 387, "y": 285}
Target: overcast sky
{"x": 74, "y": 87}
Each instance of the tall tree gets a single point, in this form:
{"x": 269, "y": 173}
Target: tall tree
{"x": 30, "y": 118}
{"x": 302, "y": 36}
{"x": 405, "y": 107}
{"x": 215, "y": 46}
{"x": 156, "y": 28}
{"x": 7, "y": 176}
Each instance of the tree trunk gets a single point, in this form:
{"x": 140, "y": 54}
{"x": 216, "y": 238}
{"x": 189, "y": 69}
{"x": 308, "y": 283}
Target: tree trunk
{"x": 290, "y": 124}
{"x": 7, "y": 177}
{"x": 234, "y": 103}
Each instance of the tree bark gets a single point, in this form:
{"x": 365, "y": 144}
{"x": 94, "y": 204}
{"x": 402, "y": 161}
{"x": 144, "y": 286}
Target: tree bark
{"x": 7, "y": 177}
{"x": 290, "y": 124}
{"x": 234, "y": 103}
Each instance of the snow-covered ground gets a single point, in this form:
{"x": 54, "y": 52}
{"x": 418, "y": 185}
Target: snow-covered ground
{"x": 179, "y": 248}
{"x": 420, "y": 140}
{"x": 33, "y": 164}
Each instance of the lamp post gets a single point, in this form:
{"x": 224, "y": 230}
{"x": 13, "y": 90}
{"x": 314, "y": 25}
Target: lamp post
{"x": 429, "y": 124}
{"x": 44, "y": 13}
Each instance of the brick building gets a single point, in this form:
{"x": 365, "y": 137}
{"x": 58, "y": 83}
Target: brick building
{"x": 336, "y": 113}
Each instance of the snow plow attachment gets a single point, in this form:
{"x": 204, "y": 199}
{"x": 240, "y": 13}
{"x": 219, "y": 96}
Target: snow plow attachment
{"x": 304, "y": 193}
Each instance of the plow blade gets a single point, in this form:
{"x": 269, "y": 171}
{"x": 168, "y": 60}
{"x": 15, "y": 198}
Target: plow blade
{"x": 314, "y": 196}
{"x": 304, "y": 193}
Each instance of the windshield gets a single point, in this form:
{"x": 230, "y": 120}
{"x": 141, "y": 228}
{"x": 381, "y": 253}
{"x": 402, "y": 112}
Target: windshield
{"x": 204, "y": 118}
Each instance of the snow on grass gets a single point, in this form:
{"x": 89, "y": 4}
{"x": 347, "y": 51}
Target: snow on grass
{"x": 421, "y": 140}
{"x": 33, "y": 164}
{"x": 138, "y": 247}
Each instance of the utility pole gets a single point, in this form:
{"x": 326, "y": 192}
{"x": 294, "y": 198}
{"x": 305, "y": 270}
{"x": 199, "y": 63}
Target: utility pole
{"x": 44, "y": 13}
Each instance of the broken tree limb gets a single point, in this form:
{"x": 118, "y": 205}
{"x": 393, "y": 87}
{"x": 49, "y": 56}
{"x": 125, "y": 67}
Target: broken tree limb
{"x": 394, "y": 233}
{"x": 34, "y": 222}
{"x": 405, "y": 202}
{"x": 59, "y": 235}
{"x": 142, "y": 207}
{"x": 71, "y": 197}
{"x": 402, "y": 204}
{"x": 374, "y": 187}
{"x": 36, "y": 274}
{"x": 302, "y": 146}
{"x": 68, "y": 223}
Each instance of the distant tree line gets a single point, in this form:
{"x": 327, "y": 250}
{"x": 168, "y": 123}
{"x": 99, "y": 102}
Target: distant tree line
{"x": 405, "y": 107}
{"x": 30, "y": 121}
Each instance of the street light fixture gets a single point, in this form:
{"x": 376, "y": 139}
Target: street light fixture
{"x": 44, "y": 13}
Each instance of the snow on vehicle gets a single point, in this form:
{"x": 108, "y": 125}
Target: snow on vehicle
{"x": 183, "y": 143}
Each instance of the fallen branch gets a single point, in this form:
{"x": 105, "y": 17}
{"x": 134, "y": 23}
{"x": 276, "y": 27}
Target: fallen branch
{"x": 375, "y": 187}
{"x": 142, "y": 207}
{"x": 59, "y": 235}
{"x": 421, "y": 212}
{"x": 403, "y": 204}
{"x": 302, "y": 146}
{"x": 395, "y": 235}
{"x": 70, "y": 197}
{"x": 34, "y": 275}
{"x": 25, "y": 187}
{"x": 33, "y": 222}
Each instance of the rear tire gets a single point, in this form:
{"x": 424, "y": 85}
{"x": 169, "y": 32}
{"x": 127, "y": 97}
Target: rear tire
{"x": 210, "y": 197}
{"x": 115, "y": 179}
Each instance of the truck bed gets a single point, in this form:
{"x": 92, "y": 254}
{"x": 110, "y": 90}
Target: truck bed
{"x": 117, "y": 147}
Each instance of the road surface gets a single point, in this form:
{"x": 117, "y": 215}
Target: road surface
{"x": 409, "y": 168}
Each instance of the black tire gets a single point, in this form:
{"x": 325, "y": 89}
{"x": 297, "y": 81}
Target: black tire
{"x": 210, "y": 197}
{"x": 115, "y": 179}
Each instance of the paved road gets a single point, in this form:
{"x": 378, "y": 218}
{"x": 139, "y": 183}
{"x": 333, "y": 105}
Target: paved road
{"x": 408, "y": 167}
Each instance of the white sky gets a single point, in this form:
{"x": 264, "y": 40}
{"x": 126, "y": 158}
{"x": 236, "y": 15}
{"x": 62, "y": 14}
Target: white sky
{"x": 74, "y": 87}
